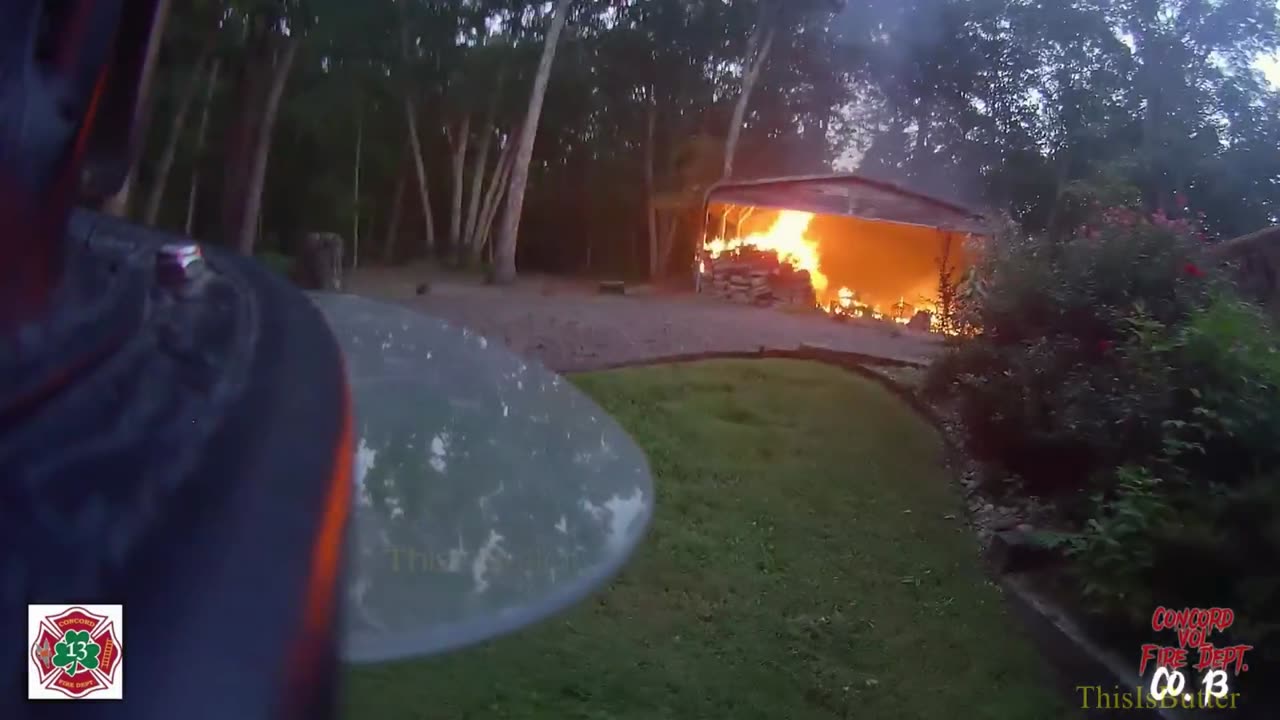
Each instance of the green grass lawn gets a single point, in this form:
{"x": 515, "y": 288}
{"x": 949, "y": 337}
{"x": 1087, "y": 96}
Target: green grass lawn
{"x": 807, "y": 560}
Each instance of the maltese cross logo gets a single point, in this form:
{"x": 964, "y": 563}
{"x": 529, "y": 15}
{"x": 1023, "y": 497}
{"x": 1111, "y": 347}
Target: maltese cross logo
{"x": 76, "y": 652}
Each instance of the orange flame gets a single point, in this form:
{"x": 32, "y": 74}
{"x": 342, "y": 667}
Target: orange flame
{"x": 786, "y": 237}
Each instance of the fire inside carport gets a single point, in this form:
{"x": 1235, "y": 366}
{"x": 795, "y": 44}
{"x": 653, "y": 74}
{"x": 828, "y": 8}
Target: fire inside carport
{"x": 846, "y": 245}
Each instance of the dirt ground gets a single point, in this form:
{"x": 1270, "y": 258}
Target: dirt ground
{"x": 569, "y": 326}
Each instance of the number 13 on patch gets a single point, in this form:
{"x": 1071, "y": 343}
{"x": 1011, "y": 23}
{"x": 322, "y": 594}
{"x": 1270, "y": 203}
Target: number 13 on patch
{"x": 75, "y": 652}
{"x": 1172, "y": 683}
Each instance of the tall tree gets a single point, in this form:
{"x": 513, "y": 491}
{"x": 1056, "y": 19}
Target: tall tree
{"x": 1041, "y": 109}
{"x": 355, "y": 191}
{"x": 176, "y": 128}
{"x": 118, "y": 204}
{"x": 270, "y": 46}
{"x": 505, "y": 249}
{"x": 459, "y": 139}
{"x": 201, "y": 132}
{"x": 759, "y": 46}
{"x": 791, "y": 17}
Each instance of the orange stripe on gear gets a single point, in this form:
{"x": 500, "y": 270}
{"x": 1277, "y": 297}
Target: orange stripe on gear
{"x": 326, "y": 556}
{"x": 82, "y": 138}
{"x": 326, "y": 565}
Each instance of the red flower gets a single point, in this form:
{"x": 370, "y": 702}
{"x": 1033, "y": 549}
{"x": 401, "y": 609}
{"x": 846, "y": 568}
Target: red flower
{"x": 1192, "y": 270}
{"x": 1105, "y": 346}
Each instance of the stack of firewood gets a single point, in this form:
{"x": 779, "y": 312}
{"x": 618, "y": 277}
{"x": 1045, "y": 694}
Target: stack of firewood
{"x": 757, "y": 278}
{"x": 793, "y": 287}
{"x": 922, "y": 320}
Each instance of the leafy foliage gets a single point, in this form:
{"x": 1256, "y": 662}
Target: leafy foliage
{"x": 1113, "y": 371}
{"x": 1115, "y": 554}
{"x": 1048, "y": 102}
{"x": 1045, "y": 392}
{"x": 1031, "y": 108}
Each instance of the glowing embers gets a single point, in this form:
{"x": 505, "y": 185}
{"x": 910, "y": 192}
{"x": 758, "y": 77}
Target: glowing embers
{"x": 919, "y": 316}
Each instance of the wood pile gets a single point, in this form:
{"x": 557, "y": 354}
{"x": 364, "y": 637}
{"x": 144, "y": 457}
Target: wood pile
{"x": 757, "y": 278}
{"x": 922, "y": 321}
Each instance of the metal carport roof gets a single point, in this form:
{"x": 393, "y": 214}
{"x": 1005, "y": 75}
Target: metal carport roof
{"x": 850, "y": 195}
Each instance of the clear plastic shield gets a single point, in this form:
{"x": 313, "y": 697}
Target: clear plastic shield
{"x": 489, "y": 492}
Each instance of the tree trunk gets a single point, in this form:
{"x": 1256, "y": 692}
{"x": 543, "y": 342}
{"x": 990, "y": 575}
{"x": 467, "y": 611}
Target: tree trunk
{"x": 1148, "y": 83}
{"x": 458, "y": 142}
{"x": 118, "y": 205}
{"x": 921, "y": 165}
{"x": 1059, "y": 189}
{"x": 262, "y": 146}
{"x": 668, "y": 244}
{"x": 499, "y": 184}
{"x": 171, "y": 144}
{"x": 415, "y": 145}
{"x": 201, "y": 132}
{"x": 252, "y": 85}
{"x": 355, "y": 195}
{"x": 492, "y": 198}
{"x": 1150, "y": 154}
{"x": 650, "y": 212}
{"x": 478, "y": 170}
{"x": 419, "y": 167}
{"x": 393, "y": 225}
{"x": 508, "y": 232}
{"x": 761, "y": 43}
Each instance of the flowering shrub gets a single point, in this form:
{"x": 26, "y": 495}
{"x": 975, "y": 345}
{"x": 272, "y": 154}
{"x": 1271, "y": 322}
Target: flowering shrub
{"x": 1118, "y": 372}
{"x": 1042, "y": 389}
{"x": 1198, "y": 522}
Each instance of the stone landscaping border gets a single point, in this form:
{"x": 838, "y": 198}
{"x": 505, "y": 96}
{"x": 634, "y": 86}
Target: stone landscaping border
{"x": 818, "y": 353}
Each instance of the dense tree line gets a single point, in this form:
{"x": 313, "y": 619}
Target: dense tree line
{"x": 452, "y": 128}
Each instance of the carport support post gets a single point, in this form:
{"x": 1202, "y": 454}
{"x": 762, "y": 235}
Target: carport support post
{"x": 699, "y": 250}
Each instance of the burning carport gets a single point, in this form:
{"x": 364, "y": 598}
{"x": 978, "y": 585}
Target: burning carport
{"x": 848, "y": 245}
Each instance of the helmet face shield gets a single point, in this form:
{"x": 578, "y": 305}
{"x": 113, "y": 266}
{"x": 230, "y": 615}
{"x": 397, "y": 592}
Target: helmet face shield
{"x": 488, "y": 493}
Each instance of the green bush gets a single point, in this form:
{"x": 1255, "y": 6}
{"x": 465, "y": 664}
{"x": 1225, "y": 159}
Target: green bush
{"x": 1221, "y": 371}
{"x": 1185, "y": 541}
{"x": 1115, "y": 553}
{"x": 1042, "y": 388}
{"x": 1116, "y": 370}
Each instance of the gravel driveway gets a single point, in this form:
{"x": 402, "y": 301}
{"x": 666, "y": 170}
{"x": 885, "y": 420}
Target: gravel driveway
{"x": 569, "y": 327}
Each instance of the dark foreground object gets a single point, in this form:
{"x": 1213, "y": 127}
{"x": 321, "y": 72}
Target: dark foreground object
{"x": 175, "y": 438}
